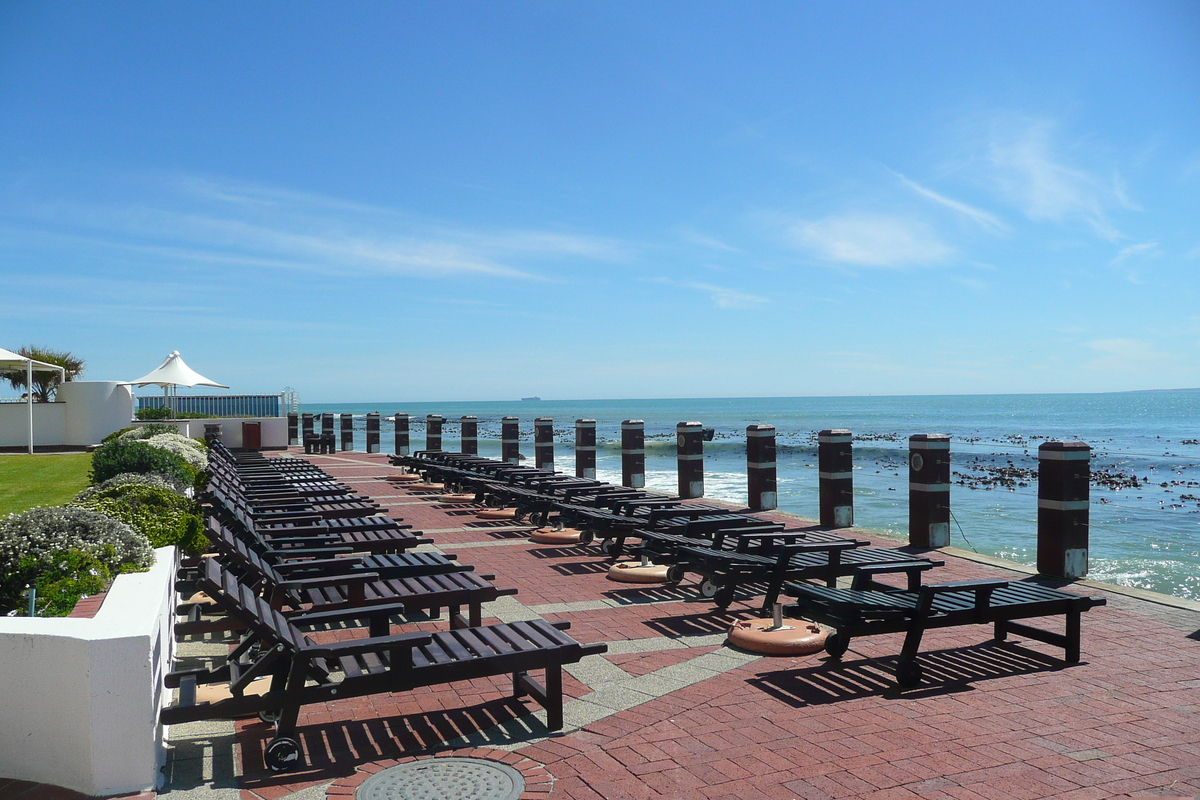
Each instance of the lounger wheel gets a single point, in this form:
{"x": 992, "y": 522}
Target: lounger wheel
{"x": 270, "y": 715}
{"x": 836, "y": 644}
{"x": 908, "y": 674}
{"x": 675, "y": 573}
{"x": 724, "y": 597}
{"x": 585, "y": 536}
{"x": 606, "y": 546}
{"x": 709, "y": 588}
{"x": 283, "y": 754}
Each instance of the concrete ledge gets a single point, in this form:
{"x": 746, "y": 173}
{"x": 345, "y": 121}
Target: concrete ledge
{"x": 80, "y": 698}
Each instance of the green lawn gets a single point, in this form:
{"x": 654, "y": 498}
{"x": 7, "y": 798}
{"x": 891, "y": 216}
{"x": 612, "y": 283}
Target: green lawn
{"x": 41, "y": 479}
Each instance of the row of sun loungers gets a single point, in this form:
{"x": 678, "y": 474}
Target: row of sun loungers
{"x": 733, "y": 550}
{"x": 284, "y": 565}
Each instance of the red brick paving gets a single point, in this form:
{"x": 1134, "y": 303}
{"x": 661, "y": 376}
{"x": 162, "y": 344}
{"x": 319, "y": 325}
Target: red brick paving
{"x": 990, "y": 721}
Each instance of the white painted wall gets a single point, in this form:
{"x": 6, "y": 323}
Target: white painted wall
{"x": 49, "y": 424}
{"x": 94, "y": 410}
{"x": 273, "y": 430}
{"x": 80, "y": 698}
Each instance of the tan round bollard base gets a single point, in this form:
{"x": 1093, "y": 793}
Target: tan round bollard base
{"x": 565, "y": 536}
{"x": 426, "y": 487}
{"x": 498, "y": 513}
{"x": 405, "y": 478}
{"x": 631, "y": 572}
{"x": 457, "y": 498}
{"x": 758, "y": 636}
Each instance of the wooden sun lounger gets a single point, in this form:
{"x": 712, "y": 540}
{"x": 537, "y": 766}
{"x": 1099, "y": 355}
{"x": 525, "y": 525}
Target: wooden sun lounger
{"x": 860, "y": 611}
{"x": 303, "y": 672}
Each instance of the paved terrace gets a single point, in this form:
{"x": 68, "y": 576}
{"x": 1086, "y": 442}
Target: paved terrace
{"x": 671, "y": 711}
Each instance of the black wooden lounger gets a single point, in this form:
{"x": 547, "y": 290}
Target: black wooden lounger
{"x": 303, "y": 672}
{"x": 864, "y": 612}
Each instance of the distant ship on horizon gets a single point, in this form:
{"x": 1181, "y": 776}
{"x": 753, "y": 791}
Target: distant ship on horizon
{"x": 534, "y": 399}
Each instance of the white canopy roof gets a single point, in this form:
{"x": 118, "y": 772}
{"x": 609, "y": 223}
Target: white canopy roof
{"x": 15, "y": 362}
{"x": 173, "y": 372}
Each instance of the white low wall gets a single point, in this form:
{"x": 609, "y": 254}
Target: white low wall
{"x": 80, "y": 698}
{"x": 49, "y": 424}
{"x": 272, "y": 430}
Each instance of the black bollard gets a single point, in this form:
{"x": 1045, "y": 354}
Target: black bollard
{"x": 689, "y": 450}
{"x": 373, "y": 432}
{"x": 585, "y": 448}
{"x": 470, "y": 436}
{"x": 543, "y": 443}
{"x": 835, "y": 463}
{"x": 633, "y": 453}
{"x": 433, "y": 431}
{"x": 929, "y": 490}
{"x": 306, "y": 425}
{"x": 510, "y": 445}
{"x": 347, "y": 431}
{"x": 1064, "y": 491}
{"x": 402, "y": 443}
{"x": 327, "y": 424}
{"x": 761, "y": 487}
{"x": 293, "y": 427}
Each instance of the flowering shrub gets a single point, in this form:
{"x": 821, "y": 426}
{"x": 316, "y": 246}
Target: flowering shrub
{"x": 124, "y": 455}
{"x": 68, "y": 577}
{"x": 162, "y": 516}
{"x": 155, "y": 479}
{"x": 188, "y": 449}
{"x": 117, "y": 434}
{"x": 147, "y": 431}
{"x": 38, "y": 542}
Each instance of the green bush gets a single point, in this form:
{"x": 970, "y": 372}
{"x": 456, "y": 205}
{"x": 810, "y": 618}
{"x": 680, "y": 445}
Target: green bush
{"x": 148, "y": 431}
{"x": 154, "y": 413}
{"x": 153, "y": 479}
{"x": 182, "y": 446}
{"x": 39, "y": 542}
{"x": 162, "y": 516}
{"x": 117, "y": 434}
{"x": 68, "y": 577}
{"x": 125, "y": 455}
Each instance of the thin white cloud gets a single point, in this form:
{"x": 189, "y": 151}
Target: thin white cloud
{"x": 1121, "y": 356}
{"x": 703, "y": 240}
{"x": 989, "y": 222}
{"x": 722, "y": 297}
{"x": 869, "y": 240}
{"x": 1024, "y": 167}
{"x": 1133, "y": 251}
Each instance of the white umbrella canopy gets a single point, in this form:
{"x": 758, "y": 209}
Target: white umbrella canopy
{"x": 15, "y": 362}
{"x": 172, "y": 372}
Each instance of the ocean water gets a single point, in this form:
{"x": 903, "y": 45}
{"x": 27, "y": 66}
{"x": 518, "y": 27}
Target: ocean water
{"x": 1145, "y": 498}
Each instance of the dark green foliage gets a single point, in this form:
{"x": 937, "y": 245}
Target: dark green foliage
{"x": 34, "y": 543}
{"x": 164, "y": 517}
{"x": 154, "y": 413}
{"x": 128, "y": 455}
{"x": 69, "y": 576}
{"x": 117, "y": 434}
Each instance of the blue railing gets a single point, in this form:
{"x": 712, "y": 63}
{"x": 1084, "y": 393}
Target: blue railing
{"x": 230, "y": 405}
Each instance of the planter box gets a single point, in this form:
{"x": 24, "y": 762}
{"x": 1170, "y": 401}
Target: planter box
{"x": 80, "y": 698}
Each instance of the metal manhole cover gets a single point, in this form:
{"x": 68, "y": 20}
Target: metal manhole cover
{"x": 444, "y": 779}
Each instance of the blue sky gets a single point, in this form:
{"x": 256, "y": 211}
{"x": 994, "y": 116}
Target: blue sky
{"x": 457, "y": 201}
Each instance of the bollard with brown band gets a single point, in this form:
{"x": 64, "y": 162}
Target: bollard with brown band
{"x": 306, "y": 425}
{"x": 327, "y": 424}
{"x": 470, "y": 435}
{"x": 633, "y": 453}
{"x": 347, "y": 431}
{"x": 510, "y": 444}
{"x": 761, "y": 486}
{"x": 1064, "y": 491}
{"x": 433, "y": 431}
{"x": 689, "y": 450}
{"x": 543, "y": 443}
{"x": 585, "y": 448}
{"x": 373, "y": 432}
{"x": 293, "y": 427}
{"x": 402, "y": 443}
{"x": 835, "y": 465}
{"x": 929, "y": 490}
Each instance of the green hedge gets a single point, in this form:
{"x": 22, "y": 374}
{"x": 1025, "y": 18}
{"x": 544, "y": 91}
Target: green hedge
{"x": 162, "y": 516}
{"x": 127, "y": 455}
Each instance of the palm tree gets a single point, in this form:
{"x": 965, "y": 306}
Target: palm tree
{"x": 45, "y": 384}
